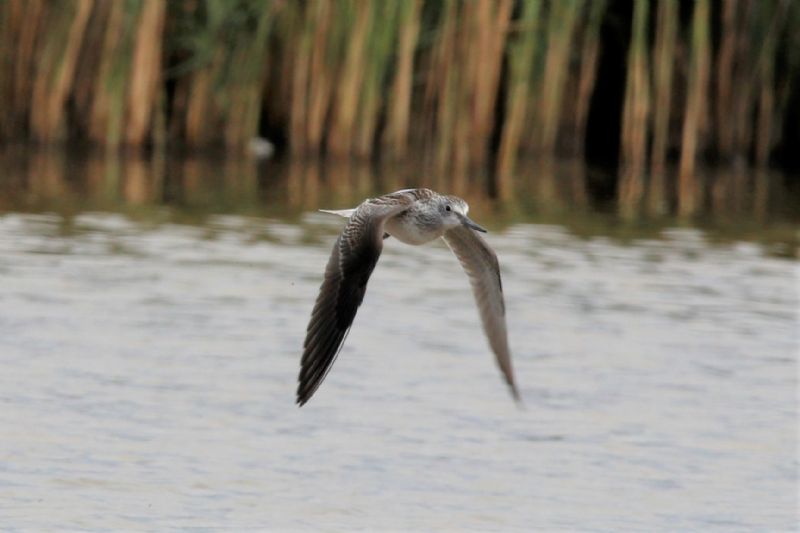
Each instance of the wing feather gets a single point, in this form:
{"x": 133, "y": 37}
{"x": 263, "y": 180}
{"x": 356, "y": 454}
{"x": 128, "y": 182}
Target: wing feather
{"x": 351, "y": 263}
{"x": 481, "y": 265}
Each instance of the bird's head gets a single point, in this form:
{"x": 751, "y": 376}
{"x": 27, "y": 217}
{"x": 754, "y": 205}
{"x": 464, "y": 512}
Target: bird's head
{"x": 454, "y": 213}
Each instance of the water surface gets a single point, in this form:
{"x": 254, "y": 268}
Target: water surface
{"x": 150, "y": 348}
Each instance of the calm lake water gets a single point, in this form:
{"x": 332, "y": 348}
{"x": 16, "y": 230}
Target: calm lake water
{"x": 151, "y": 328}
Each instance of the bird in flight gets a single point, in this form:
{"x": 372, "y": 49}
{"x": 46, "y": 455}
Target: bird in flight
{"x": 412, "y": 216}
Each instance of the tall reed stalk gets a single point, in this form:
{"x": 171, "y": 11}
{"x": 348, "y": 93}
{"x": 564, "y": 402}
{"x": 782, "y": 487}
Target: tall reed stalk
{"x": 376, "y": 72}
{"x": 663, "y": 87}
{"x": 663, "y": 69}
{"x": 395, "y": 138}
{"x": 740, "y": 119}
{"x": 766, "y": 84}
{"x": 724, "y": 78}
{"x": 636, "y": 113}
{"x": 20, "y": 23}
{"x": 300, "y": 39}
{"x": 110, "y": 81}
{"x": 522, "y": 57}
{"x": 441, "y": 86}
{"x": 561, "y": 23}
{"x": 490, "y": 19}
{"x": 351, "y": 77}
{"x": 694, "y": 117}
{"x": 320, "y": 69}
{"x": 590, "y": 51}
{"x": 145, "y": 77}
{"x": 61, "y": 40}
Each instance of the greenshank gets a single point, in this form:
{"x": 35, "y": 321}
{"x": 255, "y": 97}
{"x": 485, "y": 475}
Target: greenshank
{"x": 412, "y": 216}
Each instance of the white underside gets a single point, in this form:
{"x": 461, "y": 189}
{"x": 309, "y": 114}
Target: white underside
{"x": 400, "y": 228}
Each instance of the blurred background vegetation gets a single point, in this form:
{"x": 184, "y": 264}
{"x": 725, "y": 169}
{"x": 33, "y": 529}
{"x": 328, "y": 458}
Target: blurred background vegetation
{"x": 645, "y": 91}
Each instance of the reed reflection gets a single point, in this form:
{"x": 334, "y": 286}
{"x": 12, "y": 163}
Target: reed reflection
{"x": 544, "y": 189}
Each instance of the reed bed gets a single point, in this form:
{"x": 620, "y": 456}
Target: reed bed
{"x": 470, "y": 85}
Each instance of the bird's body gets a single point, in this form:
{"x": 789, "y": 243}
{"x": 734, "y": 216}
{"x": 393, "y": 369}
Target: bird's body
{"x": 420, "y": 223}
{"x": 412, "y": 216}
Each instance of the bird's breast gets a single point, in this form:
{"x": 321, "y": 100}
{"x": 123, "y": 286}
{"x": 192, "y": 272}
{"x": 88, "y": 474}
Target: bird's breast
{"x": 412, "y": 228}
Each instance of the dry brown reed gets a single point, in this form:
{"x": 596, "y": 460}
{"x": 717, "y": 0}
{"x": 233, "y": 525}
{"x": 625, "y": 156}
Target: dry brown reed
{"x": 63, "y": 24}
{"x": 724, "y": 78}
{"x": 561, "y": 25}
{"x": 663, "y": 87}
{"x": 395, "y": 137}
{"x": 521, "y": 59}
{"x": 590, "y": 51}
{"x": 344, "y": 111}
{"x": 20, "y": 23}
{"x": 466, "y": 82}
{"x": 694, "y": 116}
{"x": 636, "y": 114}
{"x": 145, "y": 73}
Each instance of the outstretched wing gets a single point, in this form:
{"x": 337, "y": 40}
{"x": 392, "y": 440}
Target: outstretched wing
{"x": 352, "y": 261}
{"x": 480, "y": 264}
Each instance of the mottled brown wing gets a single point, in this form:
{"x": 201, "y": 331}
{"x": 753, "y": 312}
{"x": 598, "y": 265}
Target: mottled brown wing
{"x": 481, "y": 265}
{"x": 352, "y": 261}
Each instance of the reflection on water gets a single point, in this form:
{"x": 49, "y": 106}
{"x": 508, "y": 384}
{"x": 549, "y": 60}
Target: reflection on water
{"x": 152, "y": 313}
{"x": 749, "y": 205}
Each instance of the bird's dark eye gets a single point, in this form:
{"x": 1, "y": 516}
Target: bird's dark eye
{"x": 447, "y": 208}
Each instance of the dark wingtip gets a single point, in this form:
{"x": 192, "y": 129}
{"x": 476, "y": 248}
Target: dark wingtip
{"x": 302, "y": 396}
{"x": 518, "y": 399}
{"x": 515, "y": 394}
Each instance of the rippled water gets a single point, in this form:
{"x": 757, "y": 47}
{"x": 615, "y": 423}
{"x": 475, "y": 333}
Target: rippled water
{"x": 148, "y": 375}
{"x": 152, "y": 316}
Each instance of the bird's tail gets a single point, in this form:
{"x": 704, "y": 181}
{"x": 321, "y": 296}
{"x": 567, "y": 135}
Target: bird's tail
{"x": 346, "y": 213}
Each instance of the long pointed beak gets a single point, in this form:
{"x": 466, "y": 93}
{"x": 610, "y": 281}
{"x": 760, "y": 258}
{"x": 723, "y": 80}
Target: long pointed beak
{"x": 470, "y": 224}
